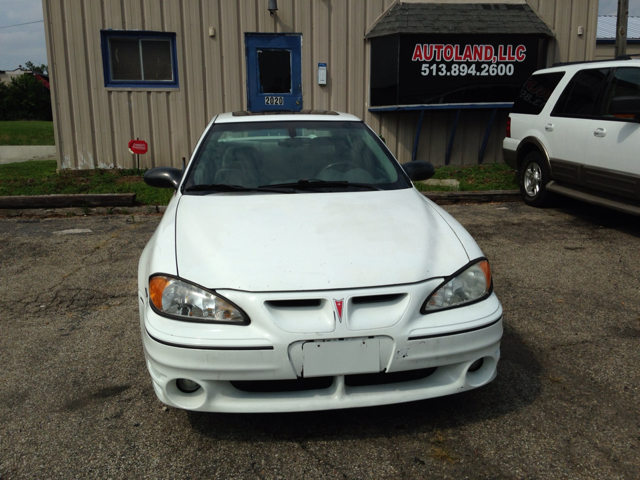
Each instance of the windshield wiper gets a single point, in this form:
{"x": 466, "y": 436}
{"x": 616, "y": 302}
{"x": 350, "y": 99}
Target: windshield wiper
{"x": 223, "y": 187}
{"x": 315, "y": 183}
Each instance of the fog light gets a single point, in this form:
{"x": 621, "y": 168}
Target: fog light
{"x": 475, "y": 366}
{"x": 187, "y": 386}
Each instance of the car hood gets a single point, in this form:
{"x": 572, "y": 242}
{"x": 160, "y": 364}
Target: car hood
{"x": 313, "y": 241}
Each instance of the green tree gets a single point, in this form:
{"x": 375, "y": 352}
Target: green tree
{"x": 43, "y": 69}
{"x": 4, "y": 100}
{"x": 25, "y": 98}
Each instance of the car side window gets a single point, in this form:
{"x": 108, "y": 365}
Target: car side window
{"x": 625, "y": 82}
{"x": 580, "y": 96}
{"x": 535, "y": 93}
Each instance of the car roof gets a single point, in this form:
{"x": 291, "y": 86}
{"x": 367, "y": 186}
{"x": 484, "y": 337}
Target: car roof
{"x": 575, "y": 66}
{"x": 303, "y": 116}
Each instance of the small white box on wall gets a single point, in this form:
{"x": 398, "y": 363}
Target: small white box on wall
{"x": 322, "y": 74}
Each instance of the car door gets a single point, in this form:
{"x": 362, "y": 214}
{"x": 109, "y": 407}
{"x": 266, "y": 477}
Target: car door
{"x": 566, "y": 129}
{"x": 612, "y": 160}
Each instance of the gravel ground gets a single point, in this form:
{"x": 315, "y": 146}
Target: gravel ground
{"x": 76, "y": 400}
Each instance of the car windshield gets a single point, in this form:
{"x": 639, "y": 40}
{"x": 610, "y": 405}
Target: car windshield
{"x": 295, "y": 156}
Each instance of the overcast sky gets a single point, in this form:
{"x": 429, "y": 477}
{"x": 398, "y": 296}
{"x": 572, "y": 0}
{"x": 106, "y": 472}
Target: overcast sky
{"x": 26, "y": 43}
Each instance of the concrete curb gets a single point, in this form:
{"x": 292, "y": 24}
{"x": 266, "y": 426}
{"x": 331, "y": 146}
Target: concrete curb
{"x": 71, "y": 200}
{"x": 441, "y": 198}
{"x": 81, "y": 212}
{"x": 487, "y": 196}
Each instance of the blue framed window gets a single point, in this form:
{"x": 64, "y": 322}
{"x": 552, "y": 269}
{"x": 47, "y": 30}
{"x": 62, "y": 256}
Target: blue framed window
{"x": 139, "y": 59}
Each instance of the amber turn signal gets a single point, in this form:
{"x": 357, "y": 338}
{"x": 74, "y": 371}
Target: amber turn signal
{"x": 156, "y": 289}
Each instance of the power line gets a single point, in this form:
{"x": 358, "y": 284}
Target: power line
{"x": 19, "y": 24}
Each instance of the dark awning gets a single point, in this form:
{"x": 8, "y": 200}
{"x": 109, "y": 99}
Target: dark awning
{"x": 457, "y": 18}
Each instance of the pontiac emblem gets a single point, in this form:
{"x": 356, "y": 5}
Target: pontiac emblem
{"x": 338, "y": 304}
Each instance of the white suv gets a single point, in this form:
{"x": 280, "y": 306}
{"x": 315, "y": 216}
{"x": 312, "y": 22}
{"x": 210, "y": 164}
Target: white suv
{"x": 575, "y": 131}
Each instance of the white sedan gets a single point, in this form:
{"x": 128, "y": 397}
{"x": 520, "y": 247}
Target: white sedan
{"x": 297, "y": 268}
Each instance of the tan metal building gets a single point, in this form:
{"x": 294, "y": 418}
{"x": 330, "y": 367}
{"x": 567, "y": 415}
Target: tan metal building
{"x": 204, "y": 45}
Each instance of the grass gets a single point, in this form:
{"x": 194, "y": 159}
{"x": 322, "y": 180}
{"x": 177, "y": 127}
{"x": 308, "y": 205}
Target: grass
{"x": 40, "y": 178}
{"x": 493, "y": 176}
{"x": 26, "y": 133}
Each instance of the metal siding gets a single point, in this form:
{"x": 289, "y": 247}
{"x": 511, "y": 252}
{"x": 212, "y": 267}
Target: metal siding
{"x": 180, "y": 117}
{"x": 103, "y": 153}
{"x": 470, "y": 136}
{"x": 607, "y": 25}
{"x": 339, "y": 28}
{"x": 579, "y": 17}
{"x": 79, "y": 82}
{"x": 60, "y": 81}
{"x": 608, "y": 51}
{"x": 233, "y": 57}
{"x": 52, "y": 54}
{"x": 158, "y": 120}
{"x": 405, "y": 135}
{"x": 303, "y": 22}
{"x": 93, "y": 124}
{"x": 320, "y": 37}
{"x": 356, "y": 74}
{"x": 591, "y": 31}
{"x": 249, "y": 20}
{"x": 212, "y": 59}
{"x": 194, "y": 55}
{"x": 546, "y": 9}
{"x": 283, "y": 21}
{"x": 373, "y": 10}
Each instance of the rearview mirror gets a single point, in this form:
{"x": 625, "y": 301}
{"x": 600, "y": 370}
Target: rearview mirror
{"x": 628, "y": 105}
{"x": 163, "y": 177}
{"x": 419, "y": 170}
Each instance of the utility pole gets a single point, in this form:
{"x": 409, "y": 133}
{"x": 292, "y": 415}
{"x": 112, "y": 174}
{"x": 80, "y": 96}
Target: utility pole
{"x": 621, "y": 27}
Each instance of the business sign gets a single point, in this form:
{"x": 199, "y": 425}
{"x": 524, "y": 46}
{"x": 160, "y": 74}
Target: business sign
{"x": 138, "y": 147}
{"x": 411, "y": 69}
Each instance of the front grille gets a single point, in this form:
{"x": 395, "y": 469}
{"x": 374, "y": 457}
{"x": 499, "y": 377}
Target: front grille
{"x": 383, "y": 378}
{"x": 377, "y": 298}
{"x": 297, "y": 385}
{"x": 306, "y": 302}
{"x": 319, "y": 383}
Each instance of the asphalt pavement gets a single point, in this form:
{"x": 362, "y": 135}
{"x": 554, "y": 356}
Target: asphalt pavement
{"x": 76, "y": 400}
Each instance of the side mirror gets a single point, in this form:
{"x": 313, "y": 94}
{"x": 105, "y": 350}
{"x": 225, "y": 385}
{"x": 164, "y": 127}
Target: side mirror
{"x": 419, "y": 170}
{"x": 163, "y": 177}
{"x": 628, "y": 105}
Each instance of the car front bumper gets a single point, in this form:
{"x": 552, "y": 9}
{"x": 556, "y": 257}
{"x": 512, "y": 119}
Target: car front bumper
{"x": 260, "y": 367}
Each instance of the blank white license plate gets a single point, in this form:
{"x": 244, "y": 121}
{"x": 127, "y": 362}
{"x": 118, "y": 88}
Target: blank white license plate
{"x": 341, "y": 357}
{"x": 274, "y": 100}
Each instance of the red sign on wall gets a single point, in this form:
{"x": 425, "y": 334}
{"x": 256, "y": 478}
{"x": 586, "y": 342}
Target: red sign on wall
{"x": 138, "y": 146}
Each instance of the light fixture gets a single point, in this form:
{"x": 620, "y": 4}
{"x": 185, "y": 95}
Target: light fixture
{"x": 273, "y": 6}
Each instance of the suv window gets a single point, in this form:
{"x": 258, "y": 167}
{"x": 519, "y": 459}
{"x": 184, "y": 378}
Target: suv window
{"x": 535, "y": 93}
{"x": 625, "y": 82}
{"x": 580, "y": 96}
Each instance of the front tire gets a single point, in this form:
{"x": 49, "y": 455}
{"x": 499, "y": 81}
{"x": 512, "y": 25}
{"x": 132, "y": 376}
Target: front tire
{"x": 534, "y": 176}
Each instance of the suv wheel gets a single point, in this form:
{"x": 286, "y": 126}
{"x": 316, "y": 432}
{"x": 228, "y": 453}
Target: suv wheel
{"x": 534, "y": 176}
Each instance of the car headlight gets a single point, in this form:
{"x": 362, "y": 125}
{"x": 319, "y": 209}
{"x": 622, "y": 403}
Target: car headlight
{"x": 472, "y": 284}
{"x": 178, "y": 299}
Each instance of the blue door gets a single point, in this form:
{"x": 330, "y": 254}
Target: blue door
{"x": 274, "y": 72}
